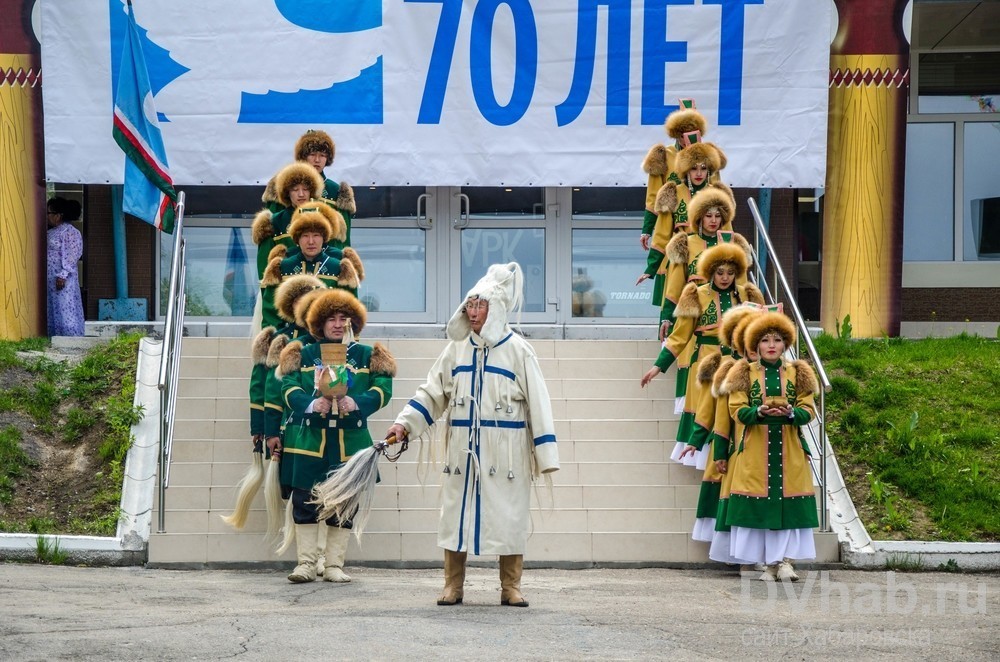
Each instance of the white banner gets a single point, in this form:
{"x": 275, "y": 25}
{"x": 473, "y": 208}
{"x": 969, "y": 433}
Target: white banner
{"x": 444, "y": 92}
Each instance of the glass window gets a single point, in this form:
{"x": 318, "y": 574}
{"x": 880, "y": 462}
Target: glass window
{"x": 221, "y": 278}
{"x": 395, "y": 262}
{"x": 929, "y": 200}
{"x": 386, "y": 202}
{"x": 520, "y": 202}
{"x": 605, "y": 266}
{"x": 607, "y": 203}
{"x": 483, "y": 247}
{"x": 981, "y": 202}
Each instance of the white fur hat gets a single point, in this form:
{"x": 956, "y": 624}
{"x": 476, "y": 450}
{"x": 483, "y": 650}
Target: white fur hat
{"x": 503, "y": 288}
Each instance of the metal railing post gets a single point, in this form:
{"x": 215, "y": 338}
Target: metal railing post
{"x": 170, "y": 359}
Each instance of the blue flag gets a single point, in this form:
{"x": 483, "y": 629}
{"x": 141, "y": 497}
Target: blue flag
{"x": 149, "y": 191}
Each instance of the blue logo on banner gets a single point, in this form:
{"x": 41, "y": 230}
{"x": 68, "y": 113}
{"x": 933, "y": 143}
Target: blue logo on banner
{"x": 354, "y": 101}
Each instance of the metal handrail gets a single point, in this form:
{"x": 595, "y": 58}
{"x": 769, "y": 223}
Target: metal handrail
{"x": 170, "y": 358}
{"x": 760, "y": 232}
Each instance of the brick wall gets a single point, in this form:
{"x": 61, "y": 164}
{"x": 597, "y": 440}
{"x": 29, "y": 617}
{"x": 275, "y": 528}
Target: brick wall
{"x": 99, "y": 254}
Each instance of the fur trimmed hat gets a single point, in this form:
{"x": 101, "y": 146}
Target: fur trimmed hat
{"x": 706, "y": 153}
{"x": 301, "y": 306}
{"x": 313, "y": 141}
{"x": 318, "y": 211}
{"x": 732, "y": 317}
{"x": 290, "y": 290}
{"x": 309, "y": 218}
{"x": 503, "y": 288}
{"x": 685, "y": 120}
{"x": 766, "y": 323}
{"x": 721, "y": 254}
{"x": 333, "y": 301}
{"x": 736, "y": 339}
{"x": 707, "y": 198}
{"x": 294, "y": 174}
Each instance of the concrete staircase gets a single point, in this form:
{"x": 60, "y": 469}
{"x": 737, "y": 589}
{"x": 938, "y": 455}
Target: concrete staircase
{"x": 618, "y": 498}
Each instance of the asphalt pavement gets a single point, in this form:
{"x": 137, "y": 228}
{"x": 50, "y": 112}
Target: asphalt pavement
{"x": 55, "y": 613}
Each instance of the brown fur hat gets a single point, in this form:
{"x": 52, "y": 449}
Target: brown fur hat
{"x": 352, "y": 256}
{"x": 685, "y": 120}
{"x": 345, "y": 199}
{"x": 725, "y": 364}
{"x": 294, "y": 174}
{"x": 290, "y": 358}
{"x": 262, "y": 228}
{"x": 721, "y": 254}
{"x": 289, "y": 292}
{"x": 382, "y": 361}
{"x": 731, "y": 318}
{"x": 301, "y": 307}
{"x": 335, "y": 301}
{"x": 739, "y": 331}
{"x": 767, "y": 323}
{"x": 707, "y": 198}
{"x": 657, "y": 161}
{"x": 313, "y": 141}
{"x": 309, "y": 218}
{"x": 666, "y": 199}
{"x": 697, "y": 153}
{"x": 258, "y": 350}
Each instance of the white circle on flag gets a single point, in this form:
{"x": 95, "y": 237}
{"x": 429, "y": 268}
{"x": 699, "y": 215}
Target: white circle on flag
{"x": 149, "y": 110}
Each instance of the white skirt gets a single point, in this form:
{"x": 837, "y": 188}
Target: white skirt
{"x": 697, "y": 460}
{"x": 704, "y": 529}
{"x": 679, "y": 405}
{"x": 770, "y": 547}
{"x": 719, "y": 550}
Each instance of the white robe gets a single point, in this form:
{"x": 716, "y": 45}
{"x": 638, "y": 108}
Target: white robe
{"x": 500, "y": 434}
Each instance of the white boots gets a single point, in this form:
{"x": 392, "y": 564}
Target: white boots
{"x": 336, "y": 549}
{"x": 307, "y": 551}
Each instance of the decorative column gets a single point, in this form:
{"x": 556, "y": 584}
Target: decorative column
{"x": 22, "y": 189}
{"x": 863, "y": 213}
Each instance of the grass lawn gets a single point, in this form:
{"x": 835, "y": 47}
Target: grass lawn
{"x": 915, "y": 425}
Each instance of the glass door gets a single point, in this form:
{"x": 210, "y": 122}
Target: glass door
{"x": 395, "y": 234}
{"x": 490, "y": 225}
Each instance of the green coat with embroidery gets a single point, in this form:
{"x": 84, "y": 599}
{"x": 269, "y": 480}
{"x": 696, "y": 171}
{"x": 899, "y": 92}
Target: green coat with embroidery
{"x": 316, "y": 443}
{"x": 772, "y": 481}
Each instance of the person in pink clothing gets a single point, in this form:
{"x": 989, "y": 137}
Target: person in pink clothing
{"x": 65, "y": 248}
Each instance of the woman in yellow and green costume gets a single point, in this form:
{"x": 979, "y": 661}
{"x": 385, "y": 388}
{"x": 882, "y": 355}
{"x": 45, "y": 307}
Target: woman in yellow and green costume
{"x": 697, "y": 167}
{"x": 772, "y": 505}
{"x": 697, "y": 317}
{"x": 322, "y": 433}
{"x": 713, "y": 415}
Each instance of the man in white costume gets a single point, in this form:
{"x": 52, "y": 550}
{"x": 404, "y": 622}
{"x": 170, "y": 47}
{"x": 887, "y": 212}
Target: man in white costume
{"x": 498, "y": 430}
